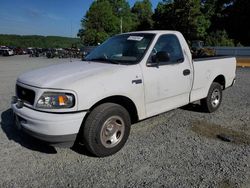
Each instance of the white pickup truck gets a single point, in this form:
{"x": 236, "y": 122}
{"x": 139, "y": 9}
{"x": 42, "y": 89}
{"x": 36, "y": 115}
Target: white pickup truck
{"x": 128, "y": 78}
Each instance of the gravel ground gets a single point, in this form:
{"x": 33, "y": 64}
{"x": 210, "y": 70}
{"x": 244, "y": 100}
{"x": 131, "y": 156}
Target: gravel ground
{"x": 179, "y": 148}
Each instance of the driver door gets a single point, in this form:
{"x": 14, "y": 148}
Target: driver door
{"x": 168, "y": 84}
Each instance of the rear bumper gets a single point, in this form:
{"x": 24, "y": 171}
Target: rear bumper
{"x": 48, "y": 127}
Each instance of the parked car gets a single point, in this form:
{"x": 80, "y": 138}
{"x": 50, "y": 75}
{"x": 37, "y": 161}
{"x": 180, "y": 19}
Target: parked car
{"x": 130, "y": 77}
{"x": 6, "y": 52}
{"x": 50, "y": 53}
{"x": 19, "y": 51}
{"x": 86, "y": 50}
{"x": 30, "y": 50}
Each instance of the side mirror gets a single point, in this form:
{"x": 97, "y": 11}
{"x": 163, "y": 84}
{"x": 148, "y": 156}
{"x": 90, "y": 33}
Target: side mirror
{"x": 161, "y": 56}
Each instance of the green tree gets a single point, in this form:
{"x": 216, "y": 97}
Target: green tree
{"x": 103, "y": 19}
{"x": 99, "y": 23}
{"x": 38, "y": 41}
{"x": 143, "y": 12}
{"x": 216, "y": 12}
{"x": 230, "y": 16}
{"x": 121, "y": 10}
{"x": 182, "y": 15}
{"x": 237, "y": 21}
{"x": 160, "y": 16}
{"x": 219, "y": 38}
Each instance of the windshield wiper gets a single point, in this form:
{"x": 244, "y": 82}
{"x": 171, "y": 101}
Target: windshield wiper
{"x": 104, "y": 60}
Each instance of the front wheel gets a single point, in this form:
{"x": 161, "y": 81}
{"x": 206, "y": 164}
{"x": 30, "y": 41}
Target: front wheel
{"x": 214, "y": 98}
{"x": 106, "y": 129}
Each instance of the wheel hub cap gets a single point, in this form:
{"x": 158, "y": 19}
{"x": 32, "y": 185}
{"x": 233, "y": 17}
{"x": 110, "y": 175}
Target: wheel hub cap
{"x": 215, "y": 98}
{"x": 112, "y": 131}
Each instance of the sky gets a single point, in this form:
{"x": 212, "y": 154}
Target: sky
{"x": 45, "y": 17}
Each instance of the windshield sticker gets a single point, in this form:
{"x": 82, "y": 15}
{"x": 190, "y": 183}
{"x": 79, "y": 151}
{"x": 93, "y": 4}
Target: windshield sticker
{"x": 135, "y": 38}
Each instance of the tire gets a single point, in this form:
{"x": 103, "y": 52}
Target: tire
{"x": 106, "y": 129}
{"x": 214, "y": 98}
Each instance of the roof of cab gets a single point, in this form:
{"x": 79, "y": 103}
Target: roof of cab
{"x": 154, "y": 32}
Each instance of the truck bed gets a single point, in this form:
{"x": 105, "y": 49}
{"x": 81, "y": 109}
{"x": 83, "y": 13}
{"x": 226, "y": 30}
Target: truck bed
{"x": 207, "y": 69}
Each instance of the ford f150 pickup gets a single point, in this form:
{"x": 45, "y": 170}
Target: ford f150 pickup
{"x": 128, "y": 78}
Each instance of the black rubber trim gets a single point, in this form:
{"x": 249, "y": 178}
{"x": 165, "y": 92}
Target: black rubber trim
{"x": 51, "y": 139}
{"x": 139, "y": 81}
{"x": 186, "y": 72}
{"x": 234, "y": 80}
{"x": 73, "y": 112}
{"x": 212, "y": 58}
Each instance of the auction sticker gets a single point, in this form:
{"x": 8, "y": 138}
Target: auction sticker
{"x": 135, "y": 38}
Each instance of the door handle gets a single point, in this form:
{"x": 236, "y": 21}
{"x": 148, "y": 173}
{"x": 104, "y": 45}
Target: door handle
{"x": 186, "y": 72}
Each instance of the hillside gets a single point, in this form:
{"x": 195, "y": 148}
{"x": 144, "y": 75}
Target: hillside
{"x": 38, "y": 41}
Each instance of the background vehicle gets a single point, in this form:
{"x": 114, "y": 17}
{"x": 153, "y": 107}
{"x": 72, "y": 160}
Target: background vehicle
{"x": 129, "y": 77}
{"x": 6, "y": 52}
{"x": 86, "y": 50}
{"x": 198, "y": 49}
{"x": 19, "y": 51}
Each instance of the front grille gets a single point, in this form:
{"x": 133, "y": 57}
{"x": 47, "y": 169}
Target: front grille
{"x": 27, "y": 95}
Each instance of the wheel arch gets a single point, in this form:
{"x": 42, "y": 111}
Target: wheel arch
{"x": 221, "y": 80}
{"x": 124, "y": 101}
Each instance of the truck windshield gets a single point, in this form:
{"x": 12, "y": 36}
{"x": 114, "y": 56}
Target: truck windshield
{"x": 122, "y": 49}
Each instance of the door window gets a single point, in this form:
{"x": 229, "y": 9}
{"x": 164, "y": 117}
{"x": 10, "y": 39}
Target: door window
{"x": 170, "y": 44}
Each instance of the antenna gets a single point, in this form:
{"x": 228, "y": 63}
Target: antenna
{"x": 71, "y": 28}
{"x": 71, "y": 37}
{"x": 120, "y": 11}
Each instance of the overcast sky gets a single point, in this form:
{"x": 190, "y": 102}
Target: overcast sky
{"x": 44, "y": 17}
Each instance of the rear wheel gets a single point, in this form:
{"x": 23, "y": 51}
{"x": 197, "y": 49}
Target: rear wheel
{"x": 106, "y": 129}
{"x": 214, "y": 98}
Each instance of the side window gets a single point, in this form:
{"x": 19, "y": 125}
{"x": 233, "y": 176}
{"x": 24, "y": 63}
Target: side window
{"x": 169, "y": 43}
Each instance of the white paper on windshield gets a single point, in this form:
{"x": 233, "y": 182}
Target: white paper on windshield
{"x": 135, "y": 38}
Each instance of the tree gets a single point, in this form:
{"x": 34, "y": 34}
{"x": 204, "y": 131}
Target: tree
{"x": 219, "y": 38}
{"x": 230, "y": 16}
{"x": 121, "y": 10}
{"x": 102, "y": 20}
{"x": 99, "y": 23}
{"x": 216, "y": 12}
{"x": 37, "y": 41}
{"x": 143, "y": 12}
{"x": 237, "y": 22}
{"x": 182, "y": 15}
{"x": 160, "y": 17}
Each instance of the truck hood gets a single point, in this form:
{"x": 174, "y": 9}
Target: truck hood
{"x": 61, "y": 75}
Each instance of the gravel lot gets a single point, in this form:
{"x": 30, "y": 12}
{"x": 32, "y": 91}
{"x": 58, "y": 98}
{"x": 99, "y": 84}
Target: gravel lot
{"x": 179, "y": 148}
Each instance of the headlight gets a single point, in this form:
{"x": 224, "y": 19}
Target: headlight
{"x": 54, "y": 100}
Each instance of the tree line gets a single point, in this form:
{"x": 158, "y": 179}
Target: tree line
{"x": 217, "y": 22}
{"x": 38, "y": 41}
